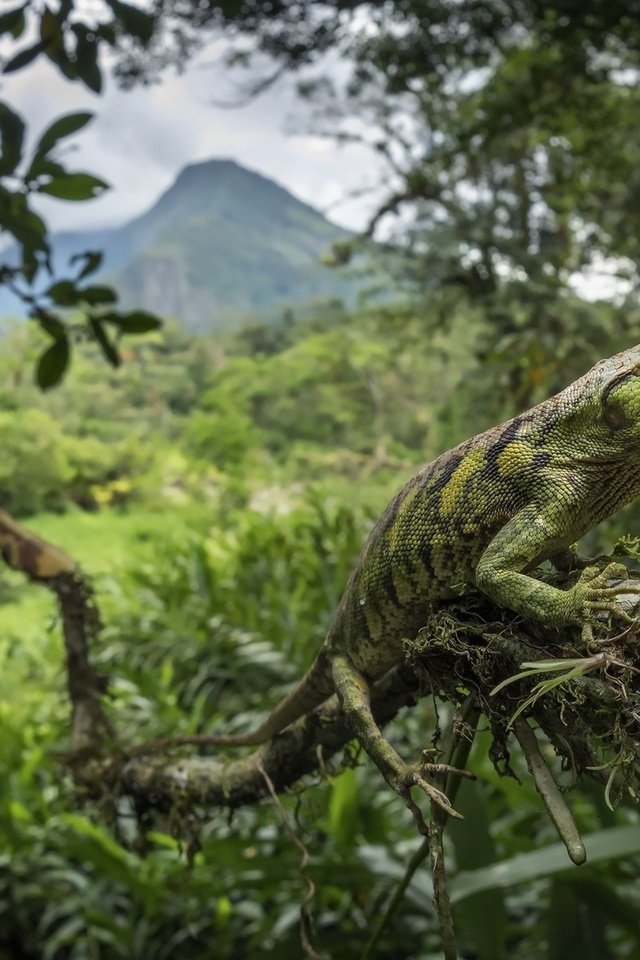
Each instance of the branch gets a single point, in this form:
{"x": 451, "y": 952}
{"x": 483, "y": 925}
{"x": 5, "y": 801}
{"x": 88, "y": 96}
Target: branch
{"x": 462, "y": 648}
{"x": 45, "y": 564}
{"x": 303, "y": 748}
{"x": 462, "y": 654}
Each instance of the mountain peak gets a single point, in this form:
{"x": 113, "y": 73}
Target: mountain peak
{"x": 222, "y": 244}
{"x": 222, "y": 173}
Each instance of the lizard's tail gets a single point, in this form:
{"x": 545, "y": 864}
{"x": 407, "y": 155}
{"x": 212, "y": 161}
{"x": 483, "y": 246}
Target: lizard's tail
{"x": 312, "y": 690}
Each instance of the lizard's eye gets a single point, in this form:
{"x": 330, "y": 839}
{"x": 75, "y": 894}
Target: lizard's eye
{"x": 621, "y": 399}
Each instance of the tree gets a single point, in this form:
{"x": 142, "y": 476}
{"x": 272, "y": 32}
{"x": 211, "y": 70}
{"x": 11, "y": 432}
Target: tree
{"x": 508, "y": 133}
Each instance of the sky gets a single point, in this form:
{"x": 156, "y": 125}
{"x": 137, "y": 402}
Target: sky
{"x": 141, "y": 139}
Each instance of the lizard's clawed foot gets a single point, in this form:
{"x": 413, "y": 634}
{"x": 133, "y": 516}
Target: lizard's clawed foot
{"x": 595, "y": 594}
{"x": 414, "y": 776}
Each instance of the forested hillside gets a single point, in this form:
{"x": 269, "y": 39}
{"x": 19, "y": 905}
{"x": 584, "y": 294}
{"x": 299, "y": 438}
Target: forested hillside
{"x": 331, "y": 394}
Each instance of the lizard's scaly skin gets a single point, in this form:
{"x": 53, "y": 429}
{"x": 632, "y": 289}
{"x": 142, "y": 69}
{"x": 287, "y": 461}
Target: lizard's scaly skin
{"x": 480, "y": 515}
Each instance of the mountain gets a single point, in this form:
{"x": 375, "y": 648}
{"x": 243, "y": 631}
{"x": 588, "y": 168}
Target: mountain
{"x": 222, "y": 243}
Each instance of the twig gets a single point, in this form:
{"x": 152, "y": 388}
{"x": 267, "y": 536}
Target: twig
{"x": 456, "y": 754}
{"x": 457, "y": 749}
{"x": 441, "y": 900}
{"x": 305, "y": 911}
{"x": 396, "y": 899}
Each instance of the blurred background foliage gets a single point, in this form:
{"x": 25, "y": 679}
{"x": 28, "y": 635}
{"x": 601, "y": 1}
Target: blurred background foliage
{"x": 217, "y": 487}
{"x": 208, "y": 486}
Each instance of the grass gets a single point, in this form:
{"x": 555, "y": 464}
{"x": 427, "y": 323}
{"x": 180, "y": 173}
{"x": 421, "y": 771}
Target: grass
{"x": 107, "y": 541}
{"x": 103, "y": 543}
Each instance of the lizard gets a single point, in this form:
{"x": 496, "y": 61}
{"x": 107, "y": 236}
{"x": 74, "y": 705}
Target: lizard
{"x": 482, "y": 515}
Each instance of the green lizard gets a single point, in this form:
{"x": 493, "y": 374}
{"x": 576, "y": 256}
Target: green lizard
{"x": 482, "y": 515}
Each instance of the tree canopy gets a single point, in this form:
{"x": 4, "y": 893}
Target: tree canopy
{"x": 508, "y": 131}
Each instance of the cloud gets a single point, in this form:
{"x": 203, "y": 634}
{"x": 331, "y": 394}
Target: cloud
{"x": 142, "y": 138}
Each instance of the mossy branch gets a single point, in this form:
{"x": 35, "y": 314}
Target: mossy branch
{"x": 466, "y": 649}
{"x": 591, "y": 716}
{"x": 46, "y": 564}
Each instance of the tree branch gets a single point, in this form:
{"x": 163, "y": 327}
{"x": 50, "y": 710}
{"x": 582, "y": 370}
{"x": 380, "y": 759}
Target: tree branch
{"x": 464, "y": 651}
{"x": 45, "y": 564}
{"x": 461, "y": 649}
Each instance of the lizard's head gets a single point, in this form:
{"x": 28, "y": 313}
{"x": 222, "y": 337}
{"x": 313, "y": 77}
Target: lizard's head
{"x": 619, "y": 399}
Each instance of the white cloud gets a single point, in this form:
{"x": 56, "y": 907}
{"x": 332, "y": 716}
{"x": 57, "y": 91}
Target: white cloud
{"x": 142, "y": 138}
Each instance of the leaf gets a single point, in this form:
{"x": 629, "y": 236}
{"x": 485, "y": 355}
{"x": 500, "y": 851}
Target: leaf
{"x": 482, "y": 916}
{"x": 87, "y": 67}
{"x": 136, "y": 321}
{"x": 106, "y": 32}
{"x": 62, "y": 127}
{"x": 83, "y": 827}
{"x": 93, "y": 260}
{"x": 51, "y": 325}
{"x": 98, "y": 295}
{"x": 609, "y": 844}
{"x": 574, "y": 930}
{"x": 67, "y": 934}
{"x": 52, "y": 37}
{"x": 41, "y": 166}
{"x": 53, "y": 363}
{"x": 19, "y": 27}
{"x": 344, "y": 809}
{"x": 74, "y": 186}
{"x": 12, "y": 133}
{"x": 10, "y": 20}
{"x": 64, "y": 293}
{"x": 24, "y": 57}
{"x": 25, "y": 225}
{"x": 135, "y": 21}
{"x": 108, "y": 349}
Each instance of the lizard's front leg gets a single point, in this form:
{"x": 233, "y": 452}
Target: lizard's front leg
{"x": 527, "y": 536}
{"x": 353, "y": 692}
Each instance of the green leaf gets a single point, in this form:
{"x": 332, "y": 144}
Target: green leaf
{"x": 609, "y": 844}
{"x": 136, "y": 321}
{"x": 74, "y": 186}
{"x": 52, "y": 364}
{"x": 106, "y": 32}
{"x": 62, "y": 127}
{"x": 98, "y": 295}
{"x": 41, "y": 166}
{"x": 10, "y": 20}
{"x": 108, "y": 349}
{"x": 64, "y": 293}
{"x": 135, "y": 21}
{"x": 83, "y": 827}
{"x": 344, "y": 809}
{"x": 24, "y": 57}
{"x": 12, "y": 134}
{"x": 482, "y": 916}
{"x": 92, "y": 259}
{"x": 25, "y": 225}
{"x": 52, "y": 36}
{"x": 87, "y": 66}
{"x": 574, "y": 931}
{"x": 51, "y": 325}
{"x": 19, "y": 27}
